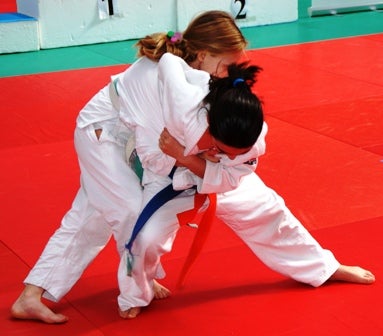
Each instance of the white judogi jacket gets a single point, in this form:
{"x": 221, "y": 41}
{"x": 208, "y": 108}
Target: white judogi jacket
{"x": 174, "y": 92}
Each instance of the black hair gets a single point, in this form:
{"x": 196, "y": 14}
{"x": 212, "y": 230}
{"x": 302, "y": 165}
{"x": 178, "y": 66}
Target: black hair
{"x": 235, "y": 113}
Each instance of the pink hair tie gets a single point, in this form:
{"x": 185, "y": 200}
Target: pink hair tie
{"x": 174, "y": 36}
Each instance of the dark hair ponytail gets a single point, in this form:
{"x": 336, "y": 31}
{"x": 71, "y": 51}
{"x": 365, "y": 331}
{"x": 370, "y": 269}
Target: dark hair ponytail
{"x": 235, "y": 113}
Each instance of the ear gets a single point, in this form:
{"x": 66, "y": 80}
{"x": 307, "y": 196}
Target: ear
{"x": 201, "y": 56}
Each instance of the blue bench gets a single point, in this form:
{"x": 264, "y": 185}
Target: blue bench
{"x": 15, "y": 17}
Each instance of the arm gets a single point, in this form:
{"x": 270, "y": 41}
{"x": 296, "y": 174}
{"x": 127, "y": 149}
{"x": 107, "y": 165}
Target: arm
{"x": 195, "y": 163}
{"x": 228, "y": 173}
{"x": 179, "y": 93}
{"x": 209, "y": 172}
{"x": 183, "y": 90}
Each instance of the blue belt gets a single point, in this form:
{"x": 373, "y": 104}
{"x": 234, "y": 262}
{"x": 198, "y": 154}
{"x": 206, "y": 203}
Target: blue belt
{"x": 158, "y": 200}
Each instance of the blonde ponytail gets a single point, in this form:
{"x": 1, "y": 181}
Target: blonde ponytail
{"x": 155, "y": 45}
{"x": 212, "y": 31}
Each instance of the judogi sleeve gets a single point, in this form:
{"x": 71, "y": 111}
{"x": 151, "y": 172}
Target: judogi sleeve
{"x": 225, "y": 175}
{"x": 181, "y": 90}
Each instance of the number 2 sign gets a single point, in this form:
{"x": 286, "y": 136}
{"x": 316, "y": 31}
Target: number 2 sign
{"x": 238, "y": 9}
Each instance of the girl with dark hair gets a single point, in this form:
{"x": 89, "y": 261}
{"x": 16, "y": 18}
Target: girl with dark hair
{"x": 235, "y": 114}
{"x": 215, "y": 154}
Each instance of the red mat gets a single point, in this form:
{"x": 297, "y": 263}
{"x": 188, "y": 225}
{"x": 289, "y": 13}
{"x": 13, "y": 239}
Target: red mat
{"x": 8, "y": 6}
{"x": 222, "y": 300}
{"x": 43, "y": 108}
{"x": 324, "y": 157}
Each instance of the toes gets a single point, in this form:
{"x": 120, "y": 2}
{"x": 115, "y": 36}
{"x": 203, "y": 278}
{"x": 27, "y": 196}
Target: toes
{"x": 130, "y": 313}
{"x": 160, "y": 292}
{"x": 369, "y": 277}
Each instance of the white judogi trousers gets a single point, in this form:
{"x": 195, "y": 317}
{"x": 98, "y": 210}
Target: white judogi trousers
{"x": 255, "y": 213}
{"x": 107, "y": 203}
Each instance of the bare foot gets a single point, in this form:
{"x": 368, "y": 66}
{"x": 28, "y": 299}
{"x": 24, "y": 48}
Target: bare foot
{"x": 130, "y": 313}
{"x": 160, "y": 292}
{"x": 353, "y": 274}
{"x": 29, "y": 307}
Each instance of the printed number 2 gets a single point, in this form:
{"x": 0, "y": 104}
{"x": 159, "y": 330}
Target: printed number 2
{"x": 241, "y": 13}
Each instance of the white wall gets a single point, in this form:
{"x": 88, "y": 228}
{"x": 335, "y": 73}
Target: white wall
{"x": 75, "y": 22}
{"x": 257, "y": 12}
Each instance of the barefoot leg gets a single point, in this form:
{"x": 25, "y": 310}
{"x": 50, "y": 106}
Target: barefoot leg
{"x": 130, "y": 313}
{"x": 160, "y": 292}
{"x": 354, "y": 274}
{"x": 28, "y": 306}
